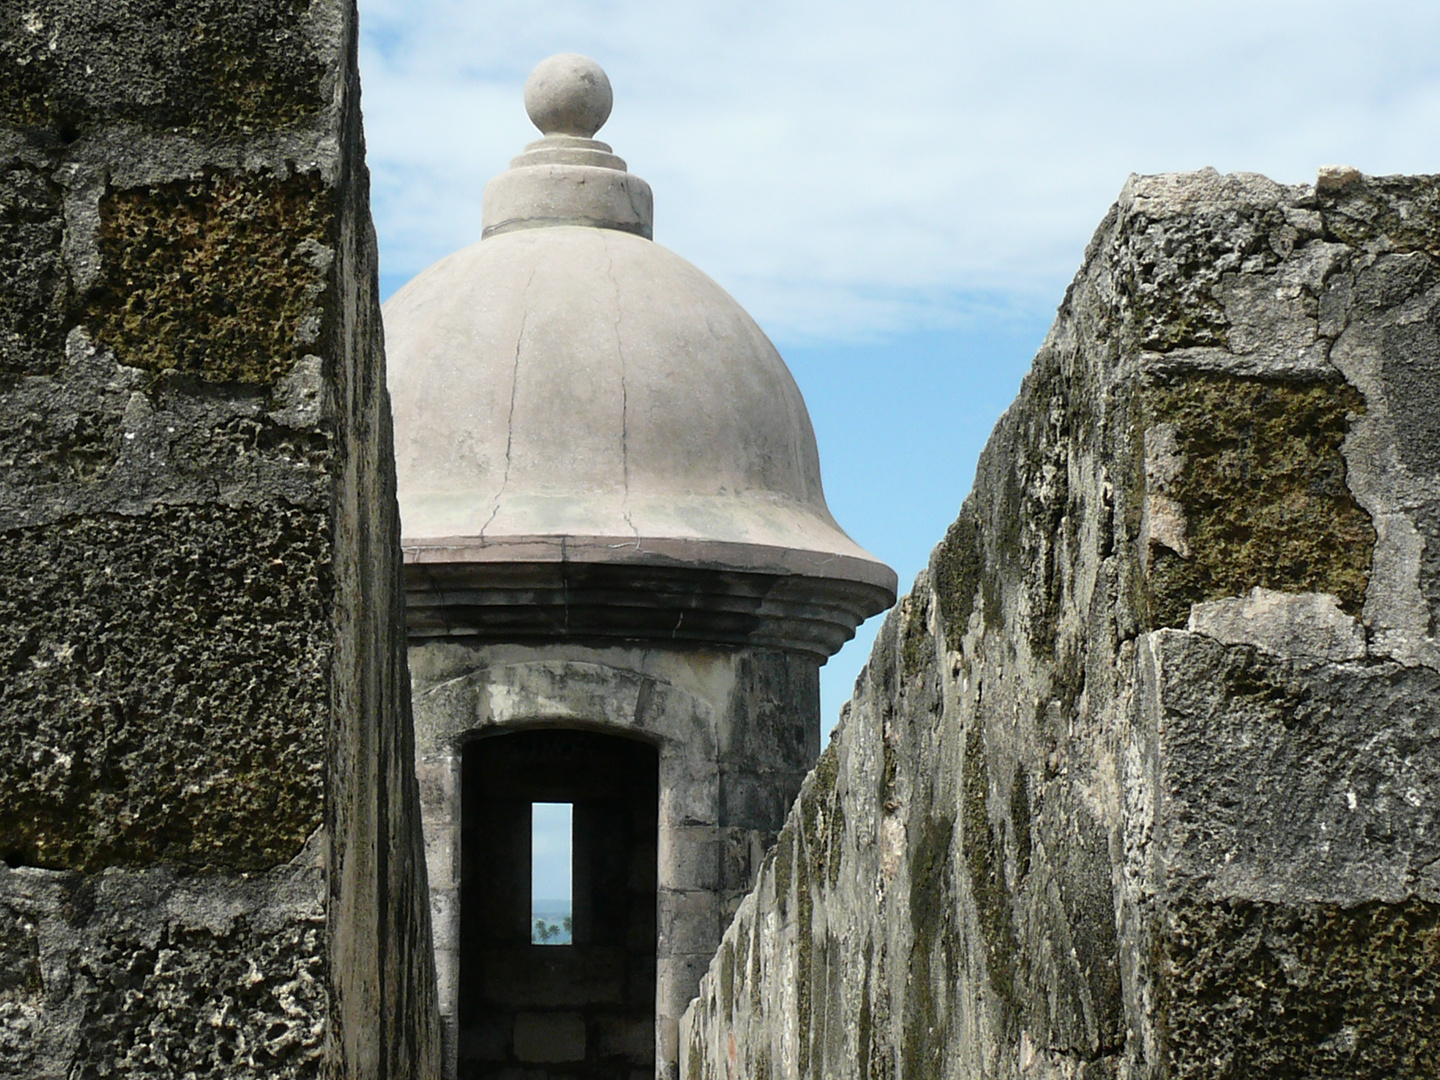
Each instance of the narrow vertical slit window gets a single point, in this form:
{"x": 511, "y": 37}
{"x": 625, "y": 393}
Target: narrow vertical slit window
{"x": 551, "y": 843}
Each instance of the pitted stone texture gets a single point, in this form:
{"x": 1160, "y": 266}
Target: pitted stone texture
{"x": 146, "y": 973}
{"x": 99, "y": 437}
{"x": 1289, "y": 780}
{"x": 34, "y": 302}
{"x": 202, "y": 630}
{"x": 205, "y": 66}
{"x": 1053, "y": 838}
{"x": 1307, "y": 990}
{"x": 200, "y": 741}
{"x": 223, "y": 278}
{"x": 1245, "y": 488}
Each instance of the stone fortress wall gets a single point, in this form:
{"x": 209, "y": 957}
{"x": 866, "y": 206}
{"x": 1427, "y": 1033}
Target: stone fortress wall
{"x": 1141, "y": 779}
{"x": 209, "y": 820}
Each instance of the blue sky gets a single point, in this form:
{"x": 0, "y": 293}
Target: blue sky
{"x": 899, "y": 193}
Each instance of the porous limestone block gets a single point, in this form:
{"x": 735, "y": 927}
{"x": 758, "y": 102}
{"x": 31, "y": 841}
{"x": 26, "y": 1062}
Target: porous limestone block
{"x": 205, "y": 742}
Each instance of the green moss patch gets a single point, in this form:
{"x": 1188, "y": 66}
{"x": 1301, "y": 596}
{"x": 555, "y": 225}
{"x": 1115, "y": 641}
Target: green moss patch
{"x": 955, "y": 568}
{"x": 784, "y": 866}
{"x": 1262, "y": 489}
{"x": 932, "y": 920}
{"x": 222, "y": 278}
{"x": 984, "y": 863}
{"x": 917, "y": 649}
{"x": 822, "y": 816}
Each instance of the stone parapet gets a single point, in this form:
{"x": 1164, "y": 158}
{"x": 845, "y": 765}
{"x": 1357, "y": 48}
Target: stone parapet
{"x": 1140, "y": 780}
{"x": 210, "y": 817}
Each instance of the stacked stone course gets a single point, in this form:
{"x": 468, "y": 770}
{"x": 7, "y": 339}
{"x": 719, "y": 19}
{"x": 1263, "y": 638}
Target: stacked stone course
{"x": 209, "y": 819}
{"x": 1141, "y": 778}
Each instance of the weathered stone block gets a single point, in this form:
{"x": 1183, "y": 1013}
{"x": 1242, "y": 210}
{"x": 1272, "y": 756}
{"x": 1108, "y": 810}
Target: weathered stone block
{"x": 690, "y": 857}
{"x": 1253, "y": 476}
{"x": 200, "y": 613}
{"x": 164, "y": 974}
{"x": 1289, "y": 624}
{"x": 1054, "y": 836}
{"x": 591, "y": 975}
{"x": 1291, "y": 780}
{"x": 757, "y": 797}
{"x": 199, "y": 741}
{"x": 33, "y": 305}
{"x": 688, "y": 922}
{"x": 1300, "y": 990}
{"x": 220, "y": 277}
{"x": 634, "y": 1039}
{"x": 199, "y": 65}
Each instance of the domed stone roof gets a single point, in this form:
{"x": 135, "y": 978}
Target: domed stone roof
{"x": 592, "y": 437}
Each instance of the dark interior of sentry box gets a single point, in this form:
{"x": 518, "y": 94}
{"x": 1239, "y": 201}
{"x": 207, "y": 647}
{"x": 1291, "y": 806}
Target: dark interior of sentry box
{"x": 522, "y": 1003}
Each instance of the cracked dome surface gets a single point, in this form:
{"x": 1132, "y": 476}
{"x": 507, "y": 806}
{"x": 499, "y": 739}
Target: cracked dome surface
{"x": 576, "y": 381}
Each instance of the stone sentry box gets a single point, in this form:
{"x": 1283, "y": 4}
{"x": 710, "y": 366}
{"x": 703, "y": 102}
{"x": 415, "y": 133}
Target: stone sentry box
{"x": 614, "y": 531}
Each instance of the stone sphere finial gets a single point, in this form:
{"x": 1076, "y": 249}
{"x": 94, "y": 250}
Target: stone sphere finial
{"x": 568, "y": 94}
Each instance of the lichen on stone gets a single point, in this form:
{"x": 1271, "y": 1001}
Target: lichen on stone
{"x": 984, "y": 863}
{"x": 1263, "y": 492}
{"x": 955, "y": 568}
{"x": 931, "y": 914}
{"x": 206, "y": 66}
{"x": 1254, "y": 989}
{"x": 221, "y": 277}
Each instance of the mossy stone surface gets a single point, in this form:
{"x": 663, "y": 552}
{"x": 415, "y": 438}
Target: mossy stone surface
{"x": 984, "y": 864}
{"x": 1262, "y": 488}
{"x": 955, "y": 568}
{"x": 932, "y": 916}
{"x": 167, "y": 688}
{"x": 220, "y": 277}
{"x": 1098, "y": 846}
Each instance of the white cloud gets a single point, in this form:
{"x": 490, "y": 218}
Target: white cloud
{"x": 848, "y": 168}
{"x": 857, "y": 171}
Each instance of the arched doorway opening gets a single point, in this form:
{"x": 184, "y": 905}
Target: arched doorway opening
{"x": 584, "y": 1009}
